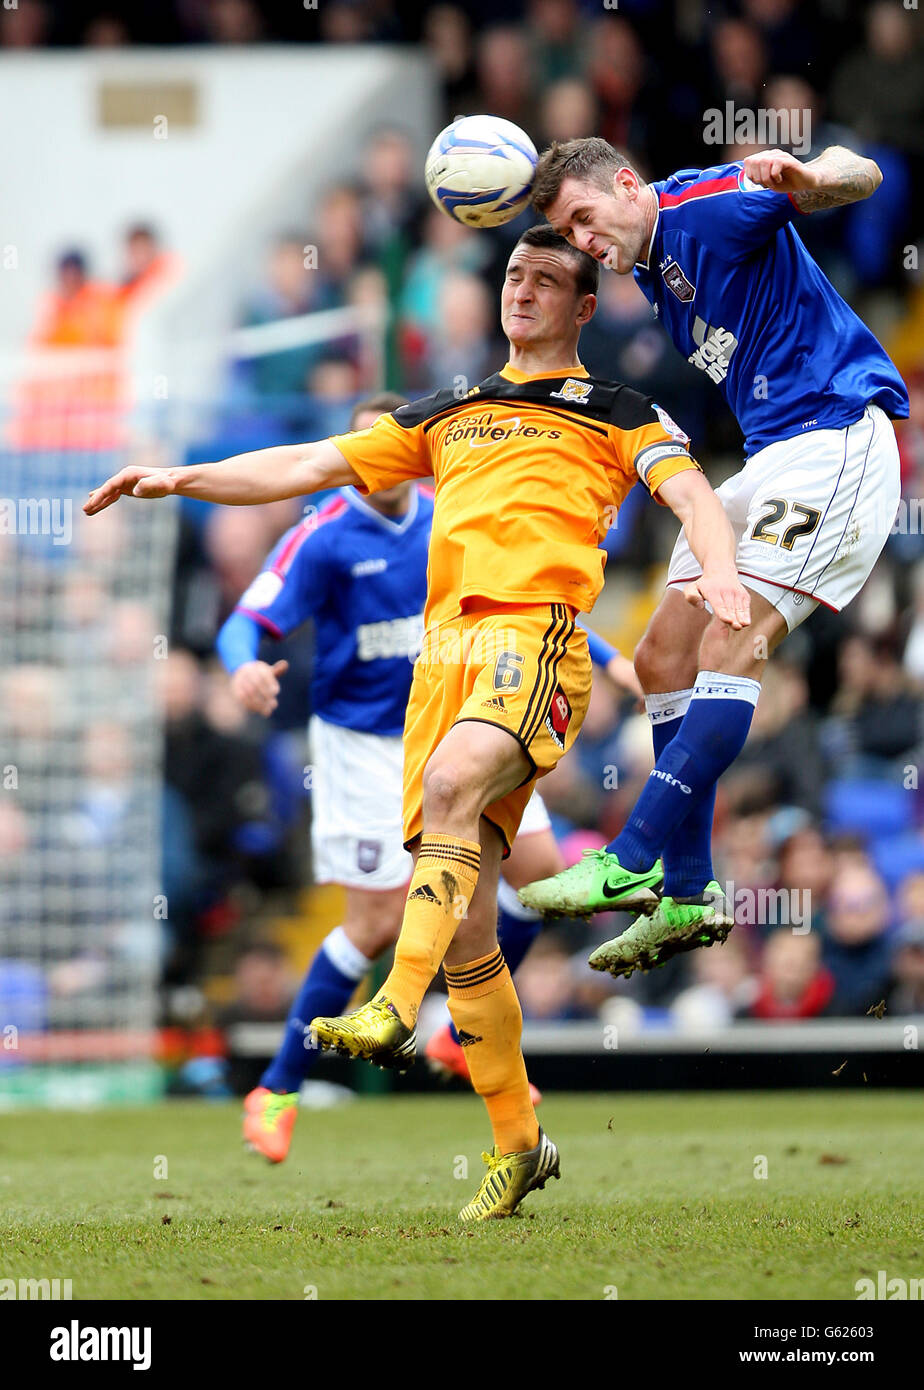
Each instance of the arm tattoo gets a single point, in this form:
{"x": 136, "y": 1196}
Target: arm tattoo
{"x": 848, "y": 178}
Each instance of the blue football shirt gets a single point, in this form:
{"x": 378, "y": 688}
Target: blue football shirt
{"x": 362, "y": 577}
{"x": 743, "y": 300}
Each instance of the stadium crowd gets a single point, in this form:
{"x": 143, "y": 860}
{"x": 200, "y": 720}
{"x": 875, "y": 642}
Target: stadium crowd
{"x": 820, "y": 824}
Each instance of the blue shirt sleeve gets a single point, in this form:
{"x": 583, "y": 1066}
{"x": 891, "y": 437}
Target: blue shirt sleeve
{"x": 293, "y": 585}
{"x": 726, "y": 211}
{"x": 601, "y": 653}
{"x": 238, "y": 641}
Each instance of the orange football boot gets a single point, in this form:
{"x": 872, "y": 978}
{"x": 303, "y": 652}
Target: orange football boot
{"x": 269, "y": 1119}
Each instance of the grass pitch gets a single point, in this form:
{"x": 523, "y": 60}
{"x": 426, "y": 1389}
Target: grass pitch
{"x": 661, "y": 1198}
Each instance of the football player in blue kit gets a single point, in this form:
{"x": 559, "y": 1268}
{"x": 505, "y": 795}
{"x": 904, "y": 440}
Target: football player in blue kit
{"x": 358, "y": 568}
{"x": 716, "y": 254}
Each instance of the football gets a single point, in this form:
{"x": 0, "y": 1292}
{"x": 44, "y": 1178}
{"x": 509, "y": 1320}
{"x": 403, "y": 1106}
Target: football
{"x": 480, "y": 170}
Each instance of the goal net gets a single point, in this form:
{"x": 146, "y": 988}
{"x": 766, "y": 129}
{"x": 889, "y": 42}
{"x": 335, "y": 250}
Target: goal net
{"x": 84, "y": 618}
{"x": 83, "y": 623}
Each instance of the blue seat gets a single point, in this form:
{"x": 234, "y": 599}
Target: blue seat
{"x": 895, "y": 857}
{"x": 869, "y": 808}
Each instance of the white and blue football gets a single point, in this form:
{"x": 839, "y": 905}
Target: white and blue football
{"x": 480, "y": 170}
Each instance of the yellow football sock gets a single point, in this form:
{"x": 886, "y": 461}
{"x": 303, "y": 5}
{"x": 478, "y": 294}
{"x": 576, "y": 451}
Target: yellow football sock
{"x": 486, "y": 1012}
{"x": 438, "y": 898}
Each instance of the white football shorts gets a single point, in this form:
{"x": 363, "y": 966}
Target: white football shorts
{"x": 810, "y": 515}
{"x": 356, "y": 793}
{"x": 535, "y": 817}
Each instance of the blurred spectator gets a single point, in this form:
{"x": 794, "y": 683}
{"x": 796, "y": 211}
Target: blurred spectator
{"x": 464, "y": 347}
{"x": 790, "y": 37}
{"x": 569, "y": 112}
{"x": 448, "y": 36}
{"x": 147, "y": 271}
{"x": 905, "y": 993}
{"x": 806, "y": 866}
{"x": 879, "y": 87}
{"x": 339, "y": 238}
{"x": 58, "y": 407}
{"x": 25, "y": 25}
{"x": 106, "y": 31}
{"x": 264, "y": 987}
{"x": 558, "y": 37}
{"x": 544, "y": 983}
{"x": 505, "y": 77}
{"x": 911, "y": 898}
{"x": 856, "y": 948}
{"x": 292, "y": 286}
{"x": 879, "y": 718}
{"x": 78, "y": 311}
{"x": 723, "y": 987}
{"x": 233, "y": 21}
{"x": 617, "y": 71}
{"x": 236, "y": 540}
{"x": 217, "y": 784}
{"x": 739, "y": 59}
{"x": 335, "y": 384}
{"x": 448, "y": 247}
{"x": 783, "y": 748}
{"x": 393, "y": 200}
{"x": 793, "y": 983}
{"x": 108, "y": 788}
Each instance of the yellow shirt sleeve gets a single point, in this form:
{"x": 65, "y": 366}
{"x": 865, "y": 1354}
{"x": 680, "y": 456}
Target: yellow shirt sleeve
{"x": 669, "y": 468}
{"x": 385, "y": 454}
{"x": 653, "y": 452}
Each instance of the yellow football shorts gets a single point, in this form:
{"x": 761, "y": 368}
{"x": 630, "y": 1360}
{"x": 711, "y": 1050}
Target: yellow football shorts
{"x": 524, "y": 669}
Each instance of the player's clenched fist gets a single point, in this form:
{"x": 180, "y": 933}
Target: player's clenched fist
{"x": 256, "y": 685}
{"x": 779, "y": 170}
{"x": 135, "y": 481}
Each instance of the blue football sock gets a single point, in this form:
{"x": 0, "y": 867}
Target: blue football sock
{"x": 517, "y": 929}
{"x": 326, "y": 989}
{"x": 687, "y": 853}
{"x": 711, "y": 735}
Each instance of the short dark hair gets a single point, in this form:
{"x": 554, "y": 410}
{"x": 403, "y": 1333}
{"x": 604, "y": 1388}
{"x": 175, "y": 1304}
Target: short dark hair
{"x": 383, "y": 402}
{"x": 591, "y": 158}
{"x": 141, "y": 229}
{"x": 72, "y": 260}
{"x": 586, "y": 269}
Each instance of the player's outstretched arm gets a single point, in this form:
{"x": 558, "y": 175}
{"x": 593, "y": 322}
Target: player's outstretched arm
{"x": 266, "y": 475}
{"x": 836, "y": 177}
{"x": 712, "y": 541}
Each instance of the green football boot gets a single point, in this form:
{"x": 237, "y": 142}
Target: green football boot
{"x": 509, "y": 1178}
{"x": 596, "y": 883}
{"x": 675, "y": 926}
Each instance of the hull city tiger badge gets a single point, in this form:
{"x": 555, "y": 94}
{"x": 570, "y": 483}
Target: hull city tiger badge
{"x": 577, "y": 392}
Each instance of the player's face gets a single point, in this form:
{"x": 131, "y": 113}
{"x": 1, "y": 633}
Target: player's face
{"x": 612, "y": 225}
{"x": 539, "y": 301}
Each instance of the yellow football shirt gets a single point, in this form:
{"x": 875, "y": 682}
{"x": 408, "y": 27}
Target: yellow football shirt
{"x": 530, "y": 472}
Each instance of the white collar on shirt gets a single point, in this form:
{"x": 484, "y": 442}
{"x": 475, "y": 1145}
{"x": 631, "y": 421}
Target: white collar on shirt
{"x": 390, "y": 523}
